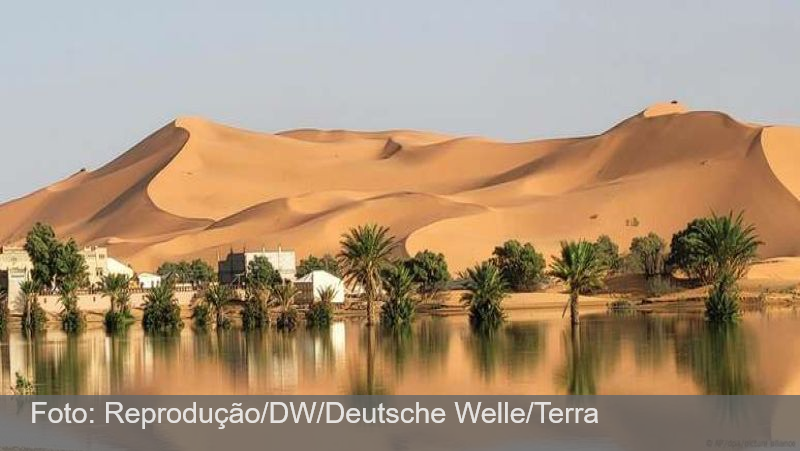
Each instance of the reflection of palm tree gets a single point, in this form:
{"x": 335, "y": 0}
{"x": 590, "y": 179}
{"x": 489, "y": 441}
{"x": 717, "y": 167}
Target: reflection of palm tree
{"x": 514, "y": 348}
{"x": 579, "y": 375}
{"x": 396, "y": 345}
{"x": 368, "y": 384}
{"x": 717, "y": 357}
{"x": 60, "y": 373}
{"x": 433, "y": 341}
{"x": 590, "y": 351}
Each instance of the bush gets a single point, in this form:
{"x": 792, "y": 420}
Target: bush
{"x": 649, "y": 254}
{"x": 486, "y": 290}
{"x": 201, "y": 315}
{"x": 23, "y": 386}
{"x": 117, "y": 320}
{"x": 261, "y": 273}
{"x": 520, "y": 265}
{"x": 722, "y": 304}
{"x": 196, "y": 272}
{"x": 254, "y": 315}
{"x": 620, "y": 305}
{"x": 72, "y": 319}
{"x": 161, "y": 310}
{"x": 287, "y": 319}
{"x": 399, "y": 309}
{"x": 320, "y": 314}
{"x": 429, "y": 271}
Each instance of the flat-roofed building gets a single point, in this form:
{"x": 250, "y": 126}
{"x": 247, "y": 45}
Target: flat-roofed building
{"x": 234, "y": 268}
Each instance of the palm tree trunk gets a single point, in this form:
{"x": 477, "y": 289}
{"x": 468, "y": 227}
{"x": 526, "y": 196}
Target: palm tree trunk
{"x": 369, "y": 311}
{"x": 573, "y": 308}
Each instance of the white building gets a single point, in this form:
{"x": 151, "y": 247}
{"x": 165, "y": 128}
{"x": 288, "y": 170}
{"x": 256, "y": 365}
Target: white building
{"x": 148, "y": 280}
{"x": 312, "y": 283}
{"x": 234, "y": 267}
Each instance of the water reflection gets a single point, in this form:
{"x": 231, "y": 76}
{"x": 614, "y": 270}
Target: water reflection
{"x": 636, "y": 353}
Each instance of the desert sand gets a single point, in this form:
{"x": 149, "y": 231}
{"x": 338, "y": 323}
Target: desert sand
{"x": 197, "y": 189}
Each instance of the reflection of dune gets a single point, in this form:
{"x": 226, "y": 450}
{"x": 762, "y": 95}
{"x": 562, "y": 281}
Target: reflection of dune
{"x": 195, "y": 188}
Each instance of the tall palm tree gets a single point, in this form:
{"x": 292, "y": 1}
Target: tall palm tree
{"x": 728, "y": 244}
{"x": 486, "y": 290}
{"x": 217, "y": 296}
{"x": 365, "y": 252}
{"x": 581, "y": 268}
{"x": 115, "y": 286}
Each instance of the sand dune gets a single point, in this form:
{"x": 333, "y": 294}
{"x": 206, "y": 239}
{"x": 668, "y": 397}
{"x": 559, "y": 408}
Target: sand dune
{"x": 196, "y": 188}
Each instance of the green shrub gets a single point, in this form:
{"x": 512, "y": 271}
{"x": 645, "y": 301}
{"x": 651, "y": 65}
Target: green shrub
{"x": 520, "y": 265}
{"x": 722, "y": 304}
{"x": 201, "y": 315}
{"x": 116, "y": 321}
{"x": 22, "y": 386}
{"x": 72, "y": 319}
{"x": 320, "y": 314}
{"x": 620, "y": 305}
{"x": 287, "y": 319}
{"x": 254, "y": 315}
{"x": 486, "y": 290}
{"x": 312, "y": 263}
{"x": 161, "y": 310}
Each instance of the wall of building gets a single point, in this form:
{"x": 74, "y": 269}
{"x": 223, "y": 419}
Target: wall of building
{"x": 97, "y": 303}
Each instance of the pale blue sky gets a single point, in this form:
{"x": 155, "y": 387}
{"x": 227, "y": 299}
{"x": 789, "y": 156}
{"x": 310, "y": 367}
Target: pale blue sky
{"x": 82, "y": 81}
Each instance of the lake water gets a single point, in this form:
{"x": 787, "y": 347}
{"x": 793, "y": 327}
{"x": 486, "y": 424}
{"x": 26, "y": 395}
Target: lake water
{"x": 537, "y": 352}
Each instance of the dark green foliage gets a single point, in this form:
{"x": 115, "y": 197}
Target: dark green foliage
{"x": 260, "y": 272}
{"x": 217, "y": 296}
{"x": 311, "y": 263}
{"x": 201, "y": 315}
{"x": 520, "y": 265}
{"x": 580, "y": 268}
{"x": 254, "y": 316}
{"x": 116, "y": 321}
{"x": 287, "y": 319}
{"x": 34, "y": 318}
{"x": 41, "y": 245}
{"x": 607, "y": 252}
{"x": 722, "y": 304}
{"x": 365, "y": 253}
{"x": 486, "y": 289}
{"x": 429, "y": 271}
{"x": 709, "y": 247}
{"x": 283, "y": 295}
{"x": 649, "y": 254}
{"x": 197, "y": 272}
{"x": 72, "y": 319}
{"x": 399, "y": 308}
{"x": 54, "y": 262}
{"x": 161, "y": 310}
{"x": 320, "y": 313}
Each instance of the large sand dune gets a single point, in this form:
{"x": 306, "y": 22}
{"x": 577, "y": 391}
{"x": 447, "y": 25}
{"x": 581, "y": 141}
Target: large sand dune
{"x": 197, "y": 189}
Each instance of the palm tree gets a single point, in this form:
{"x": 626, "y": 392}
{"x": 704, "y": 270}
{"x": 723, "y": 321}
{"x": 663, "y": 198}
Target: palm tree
{"x": 728, "y": 244}
{"x": 31, "y": 311}
{"x": 365, "y": 253}
{"x": 486, "y": 290}
{"x": 283, "y": 295}
{"x": 161, "y": 310}
{"x": 115, "y": 286}
{"x": 581, "y": 268}
{"x": 217, "y": 296}
{"x": 398, "y": 310}
{"x": 320, "y": 313}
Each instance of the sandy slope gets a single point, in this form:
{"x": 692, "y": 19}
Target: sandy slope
{"x": 195, "y": 188}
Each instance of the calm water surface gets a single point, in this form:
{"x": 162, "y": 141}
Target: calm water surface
{"x": 535, "y": 353}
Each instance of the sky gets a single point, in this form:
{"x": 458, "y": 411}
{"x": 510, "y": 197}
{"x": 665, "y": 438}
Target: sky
{"x": 83, "y": 81}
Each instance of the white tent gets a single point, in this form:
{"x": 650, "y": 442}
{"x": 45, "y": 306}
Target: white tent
{"x": 320, "y": 280}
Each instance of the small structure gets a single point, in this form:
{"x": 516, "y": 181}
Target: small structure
{"x": 148, "y": 280}
{"x": 312, "y": 283}
{"x": 15, "y": 268}
{"x": 99, "y": 264}
{"x": 234, "y": 268}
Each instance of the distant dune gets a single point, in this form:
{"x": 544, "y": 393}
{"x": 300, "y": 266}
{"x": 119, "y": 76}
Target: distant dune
{"x": 197, "y": 189}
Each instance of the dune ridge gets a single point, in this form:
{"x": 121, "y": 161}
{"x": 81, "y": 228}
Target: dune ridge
{"x": 197, "y": 189}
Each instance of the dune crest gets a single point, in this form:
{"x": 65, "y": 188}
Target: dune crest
{"x": 196, "y": 188}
